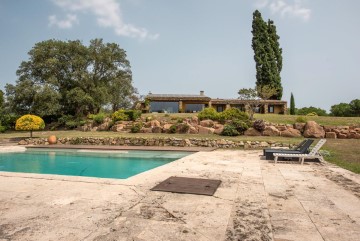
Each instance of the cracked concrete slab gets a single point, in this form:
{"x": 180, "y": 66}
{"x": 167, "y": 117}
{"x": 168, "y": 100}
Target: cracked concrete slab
{"x": 257, "y": 200}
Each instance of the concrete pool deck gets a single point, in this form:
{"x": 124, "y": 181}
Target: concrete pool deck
{"x": 256, "y": 200}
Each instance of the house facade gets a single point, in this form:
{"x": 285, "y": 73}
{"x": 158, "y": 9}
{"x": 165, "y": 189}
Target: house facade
{"x": 169, "y": 103}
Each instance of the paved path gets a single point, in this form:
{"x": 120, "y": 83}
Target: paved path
{"x": 257, "y": 200}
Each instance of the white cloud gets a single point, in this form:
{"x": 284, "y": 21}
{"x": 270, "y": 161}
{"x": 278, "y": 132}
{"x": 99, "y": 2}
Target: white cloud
{"x": 285, "y": 8}
{"x": 66, "y": 23}
{"x": 108, "y": 14}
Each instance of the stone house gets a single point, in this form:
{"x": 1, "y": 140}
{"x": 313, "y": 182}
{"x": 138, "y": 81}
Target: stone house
{"x": 172, "y": 103}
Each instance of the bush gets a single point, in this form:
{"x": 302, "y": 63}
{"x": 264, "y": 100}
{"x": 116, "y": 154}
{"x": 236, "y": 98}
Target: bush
{"x": 135, "y": 128}
{"x": 233, "y": 113}
{"x": 98, "y": 118}
{"x": 183, "y": 128}
{"x": 229, "y": 130}
{"x": 119, "y": 116}
{"x": 312, "y": 114}
{"x": 208, "y": 113}
{"x": 133, "y": 114}
{"x": 173, "y": 129}
{"x": 241, "y": 125}
{"x": 259, "y": 125}
{"x": 8, "y": 120}
{"x": 180, "y": 120}
{"x": 307, "y": 110}
{"x": 2, "y": 129}
{"x": 123, "y": 115}
{"x": 29, "y": 123}
{"x": 301, "y": 119}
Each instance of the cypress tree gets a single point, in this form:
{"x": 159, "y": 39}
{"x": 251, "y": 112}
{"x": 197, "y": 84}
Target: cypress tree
{"x": 267, "y": 54}
{"x": 292, "y": 105}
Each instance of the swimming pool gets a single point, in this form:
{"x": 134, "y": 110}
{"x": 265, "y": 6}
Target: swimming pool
{"x": 90, "y": 163}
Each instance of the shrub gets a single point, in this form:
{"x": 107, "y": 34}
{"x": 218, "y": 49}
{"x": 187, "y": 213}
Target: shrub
{"x": 173, "y": 129}
{"x": 312, "y": 114}
{"x": 119, "y": 116}
{"x": 229, "y": 130}
{"x": 71, "y": 124}
{"x": 241, "y": 125}
{"x": 301, "y": 119}
{"x": 65, "y": 118}
{"x": 166, "y": 115}
{"x": 307, "y": 110}
{"x": 259, "y": 125}
{"x": 135, "y": 128}
{"x": 183, "y": 128}
{"x": 8, "y": 120}
{"x": 208, "y": 113}
{"x": 123, "y": 115}
{"x": 133, "y": 114}
{"x": 29, "y": 123}
{"x": 97, "y": 118}
{"x": 2, "y": 129}
{"x": 233, "y": 113}
{"x": 180, "y": 120}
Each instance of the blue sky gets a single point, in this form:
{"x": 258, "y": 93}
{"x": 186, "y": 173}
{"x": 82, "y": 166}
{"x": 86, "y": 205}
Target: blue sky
{"x": 182, "y": 47}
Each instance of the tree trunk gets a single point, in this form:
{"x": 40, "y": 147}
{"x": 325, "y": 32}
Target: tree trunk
{"x": 31, "y": 134}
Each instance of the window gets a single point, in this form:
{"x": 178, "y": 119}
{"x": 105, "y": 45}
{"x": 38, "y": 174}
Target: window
{"x": 219, "y": 108}
{"x": 164, "y": 107}
{"x": 191, "y": 108}
{"x": 271, "y": 109}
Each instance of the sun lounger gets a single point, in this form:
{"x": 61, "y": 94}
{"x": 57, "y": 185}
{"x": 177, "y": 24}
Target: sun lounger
{"x": 312, "y": 155}
{"x": 302, "y": 148}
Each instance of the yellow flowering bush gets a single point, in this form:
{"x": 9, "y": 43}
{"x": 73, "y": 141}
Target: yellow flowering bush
{"x": 29, "y": 123}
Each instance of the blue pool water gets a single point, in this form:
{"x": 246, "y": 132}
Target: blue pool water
{"x": 105, "y": 164}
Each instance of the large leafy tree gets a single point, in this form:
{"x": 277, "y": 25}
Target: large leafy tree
{"x": 267, "y": 54}
{"x": 67, "y": 77}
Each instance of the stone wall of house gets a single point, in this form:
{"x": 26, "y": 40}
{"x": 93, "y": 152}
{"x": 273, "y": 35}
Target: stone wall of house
{"x": 194, "y": 126}
{"x": 138, "y": 141}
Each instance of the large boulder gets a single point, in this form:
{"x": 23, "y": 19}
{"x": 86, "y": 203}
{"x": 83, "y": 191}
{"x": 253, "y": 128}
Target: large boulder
{"x": 118, "y": 127}
{"x": 193, "y": 130}
{"x": 166, "y": 127}
{"x": 252, "y": 132}
{"x": 290, "y": 132}
{"x": 194, "y": 120}
{"x": 206, "y": 130}
{"x": 154, "y": 123}
{"x": 207, "y": 123}
{"x": 299, "y": 126}
{"x": 313, "y": 130}
{"x": 271, "y": 131}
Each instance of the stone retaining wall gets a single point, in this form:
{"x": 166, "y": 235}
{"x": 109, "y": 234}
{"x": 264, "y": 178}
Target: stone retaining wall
{"x": 136, "y": 141}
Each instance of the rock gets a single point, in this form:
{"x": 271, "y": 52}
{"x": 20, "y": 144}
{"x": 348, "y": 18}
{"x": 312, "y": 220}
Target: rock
{"x": 154, "y": 123}
{"x": 166, "y": 127}
{"x": 194, "y": 120}
{"x": 299, "y": 126}
{"x": 330, "y": 135}
{"x": 193, "y": 130}
{"x": 22, "y": 142}
{"x": 118, "y": 127}
{"x": 313, "y": 130}
{"x": 146, "y": 130}
{"x": 206, "y": 130}
{"x": 264, "y": 144}
{"x": 329, "y": 128}
{"x": 219, "y": 130}
{"x": 157, "y": 129}
{"x": 252, "y": 132}
{"x": 271, "y": 131}
{"x": 290, "y": 132}
{"x": 281, "y": 128}
{"x": 187, "y": 142}
{"x": 207, "y": 123}
{"x": 104, "y": 126}
{"x": 341, "y": 136}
